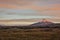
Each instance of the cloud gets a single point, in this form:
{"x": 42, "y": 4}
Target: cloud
{"x": 44, "y": 8}
{"x": 39, "y": 5}
{"x": 55, "y": 7}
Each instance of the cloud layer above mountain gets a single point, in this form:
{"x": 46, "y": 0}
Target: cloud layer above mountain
{"x": 26, "y": 9}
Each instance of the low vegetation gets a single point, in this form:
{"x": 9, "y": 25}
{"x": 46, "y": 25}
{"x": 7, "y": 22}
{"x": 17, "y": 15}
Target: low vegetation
{"x": 30, "y": 34}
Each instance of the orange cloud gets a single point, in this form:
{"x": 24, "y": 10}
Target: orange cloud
{"x": 7, "y": 6}
{"x": 19, "y": 7}
{"x": 34, "y": 7}
{"x": 54, "y": 7}
{"x": 19, "y": 4}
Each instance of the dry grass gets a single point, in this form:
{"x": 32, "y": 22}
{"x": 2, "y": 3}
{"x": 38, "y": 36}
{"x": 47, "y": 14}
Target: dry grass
{"x": 30, "y": 34}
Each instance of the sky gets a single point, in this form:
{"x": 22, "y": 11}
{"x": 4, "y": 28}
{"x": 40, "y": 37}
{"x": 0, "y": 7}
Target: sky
{"x": 28, "y": 9}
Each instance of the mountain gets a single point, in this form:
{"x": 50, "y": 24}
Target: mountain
{"x": 43, "y": 23}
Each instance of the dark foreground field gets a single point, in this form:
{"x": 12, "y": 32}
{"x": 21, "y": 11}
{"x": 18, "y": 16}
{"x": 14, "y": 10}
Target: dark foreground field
{"x": 30, "y": 34}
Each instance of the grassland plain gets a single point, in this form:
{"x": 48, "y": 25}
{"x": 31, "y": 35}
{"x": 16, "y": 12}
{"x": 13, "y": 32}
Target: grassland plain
{"x": 30, "y": 34}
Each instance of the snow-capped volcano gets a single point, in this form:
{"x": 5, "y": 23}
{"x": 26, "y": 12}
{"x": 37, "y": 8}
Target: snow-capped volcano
{"x": 43, "y": 23}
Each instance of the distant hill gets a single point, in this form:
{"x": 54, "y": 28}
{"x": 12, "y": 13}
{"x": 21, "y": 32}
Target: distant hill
{"x": 45, "y": 23}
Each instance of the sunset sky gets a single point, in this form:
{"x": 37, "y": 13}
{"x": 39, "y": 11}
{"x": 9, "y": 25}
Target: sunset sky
{"x": 27, "y": 9}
